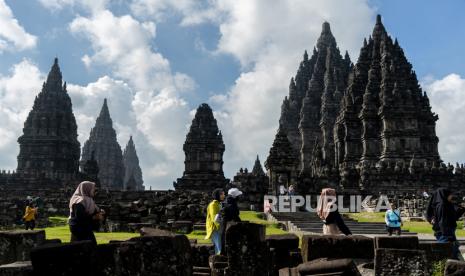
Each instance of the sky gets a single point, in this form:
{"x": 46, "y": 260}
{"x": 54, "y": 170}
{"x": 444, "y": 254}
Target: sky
{"x": 156, "y": 61}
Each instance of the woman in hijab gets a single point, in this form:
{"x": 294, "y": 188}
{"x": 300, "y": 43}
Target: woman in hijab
{"x": 84, "y": 213}
{"x": 443, "y": 214}
{"x": 213, "y": 223}
{"x": 327, "y": 211}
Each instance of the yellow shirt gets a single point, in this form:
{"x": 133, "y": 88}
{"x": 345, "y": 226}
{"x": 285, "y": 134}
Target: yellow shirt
{"x": 30, "y": 214}
{"x": 211, "y": 225}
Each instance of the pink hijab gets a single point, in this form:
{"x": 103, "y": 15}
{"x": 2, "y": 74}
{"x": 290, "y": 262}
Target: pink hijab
{"x": 83, "y": 194}
{"x": 325, "y": 202}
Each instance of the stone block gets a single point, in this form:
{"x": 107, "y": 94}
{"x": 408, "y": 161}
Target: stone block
{"x": 285, "y": 242}
{"x": 336, "y": 246}
{"x": 201, "y": 253}
{"x": 63, "y": 259}
{"x": 165, "y": 253}
{"x": 454, "y": 268}
{"x": 400, "y": 262}
{"x": 246, "y": 249}
{"x": 23, "y": 268}
{"x": 405, "y": 242}
{"x": 436, "y": 251}
{"x": 288, "y": 271}
{"x": 17, "y": 245}
{"x": 343, "y": 267}
{"x": 280, "y": 247}
{"x": 182, "y": 226}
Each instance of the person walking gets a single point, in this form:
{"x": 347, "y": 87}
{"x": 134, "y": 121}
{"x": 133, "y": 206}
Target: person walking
{"x": 393, "y": 220}
{"x": 214, "y": 222}
{"x": 327, "y": 211}
{"x": 85, "y": 215}
{"x": 30, "y": 216}
{"x": 443, "y": 213}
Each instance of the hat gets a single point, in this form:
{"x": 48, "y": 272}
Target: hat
{"x": 234, "y": 192}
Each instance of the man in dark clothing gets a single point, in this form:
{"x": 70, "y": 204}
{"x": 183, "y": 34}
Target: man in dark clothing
{"x": 230, "y": 212}
{"x": 230, "y": 208}
{"x": 443, "y": 215}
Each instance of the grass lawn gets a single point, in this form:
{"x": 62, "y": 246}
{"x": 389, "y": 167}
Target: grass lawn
{"x": 252, "y": 216}
{"x": 60, "y": 231}
{"x": 412, "y": 226}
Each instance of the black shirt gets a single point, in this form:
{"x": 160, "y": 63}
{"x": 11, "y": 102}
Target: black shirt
{"x": 335, "y": 217}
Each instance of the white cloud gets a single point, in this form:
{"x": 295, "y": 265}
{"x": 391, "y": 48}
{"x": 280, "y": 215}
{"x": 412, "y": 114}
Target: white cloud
{"x": 192, "y": 11}
{"x": 16, "y": 99}
{"x": 447, "y": 98}
{"x": 12, "y": 35}
{"x": 268, "y": 38}
{"x": 162, "y": 113}
{"x": 90, "y": 5}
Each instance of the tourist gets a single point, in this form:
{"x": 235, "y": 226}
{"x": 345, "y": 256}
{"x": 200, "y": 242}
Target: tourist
{"x": 267, "y": 206}
{"x": 282, "y": 190}
{"x": 327, "y": 211}
{"x": 214, "y": 223}
{"x": 231, "y": 210}
{"x": 291, "y": 190}
{"x": 442, "y": 213}
{"x": 393, "y": 220}
{"x": 85, "y": 215}
{"x": 30, "y": 215}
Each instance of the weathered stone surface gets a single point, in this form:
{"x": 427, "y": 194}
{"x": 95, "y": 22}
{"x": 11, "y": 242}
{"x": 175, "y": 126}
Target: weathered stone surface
{"x": 454, "y": 267}
{"x": 334, "y": 246}
{"x": 405, "y": 242}
{"x": 103, "y": 144}
{"x": 118, "y": 258}
{"x": 63, "y": 259}
{"x": 165, "y": 254}
{"x": 329, "y": 267}
{"x": 400, "y": 262}
{"x": 16, "y": 245}
{"x": 288, "y": 271}
{"x": 436, "y": 251}
{"x": 246, "y": 249}
{"x": 285, "y": 242}
{"x": 49, "y": 143}
{"x": 281, "y": 247}
{"x": 201, "y": 254}
{"x": 23, "y": 268}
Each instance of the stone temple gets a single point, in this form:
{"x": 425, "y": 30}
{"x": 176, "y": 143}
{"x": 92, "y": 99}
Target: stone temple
{"x": 132, "y": 172}
{"x": 366, "y": 127}
{"x": 204, "y": 150}
{"x": 102, "y": 142}
{"x": 49, "y": 142}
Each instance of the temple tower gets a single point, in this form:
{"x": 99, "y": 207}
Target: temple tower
{"x": 49, "y": 144}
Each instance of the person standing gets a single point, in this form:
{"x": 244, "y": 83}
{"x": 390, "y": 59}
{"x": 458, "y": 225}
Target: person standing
{"x": 443, "y": 214}
{"x": 85, "y": 215}
{"x": 231, "y": 210}
{"x": 393, "y": 220}
{"x": 30, "y": 216}
{"x": 214, "y": 222}
{"x": 327, "y": 211}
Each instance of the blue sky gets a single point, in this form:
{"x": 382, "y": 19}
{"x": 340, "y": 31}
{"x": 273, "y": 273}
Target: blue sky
{"x": 157, "y": 60}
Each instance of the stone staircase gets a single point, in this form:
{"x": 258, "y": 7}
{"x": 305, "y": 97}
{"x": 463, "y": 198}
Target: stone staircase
{"x": 310, "y": 223}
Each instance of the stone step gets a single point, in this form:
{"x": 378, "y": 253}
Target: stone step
{"x": 201, "y": 271}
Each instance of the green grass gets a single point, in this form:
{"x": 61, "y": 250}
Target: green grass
{"x": 60, "y": 230}
{"x": 412, "y": 226}
{"x": 252, "y": 216}
{"x": 62, "y": 233}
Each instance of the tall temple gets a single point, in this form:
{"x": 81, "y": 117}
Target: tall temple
{"x": 354, "y": 125}
{"x": 103, "y": 143}
{"x": 132, "y": 172}
{"x": 204, "y": 150}
{"x": 49, "y": 144}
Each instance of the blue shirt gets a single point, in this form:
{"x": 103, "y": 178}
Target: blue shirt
{"x": 392, "y": 219}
